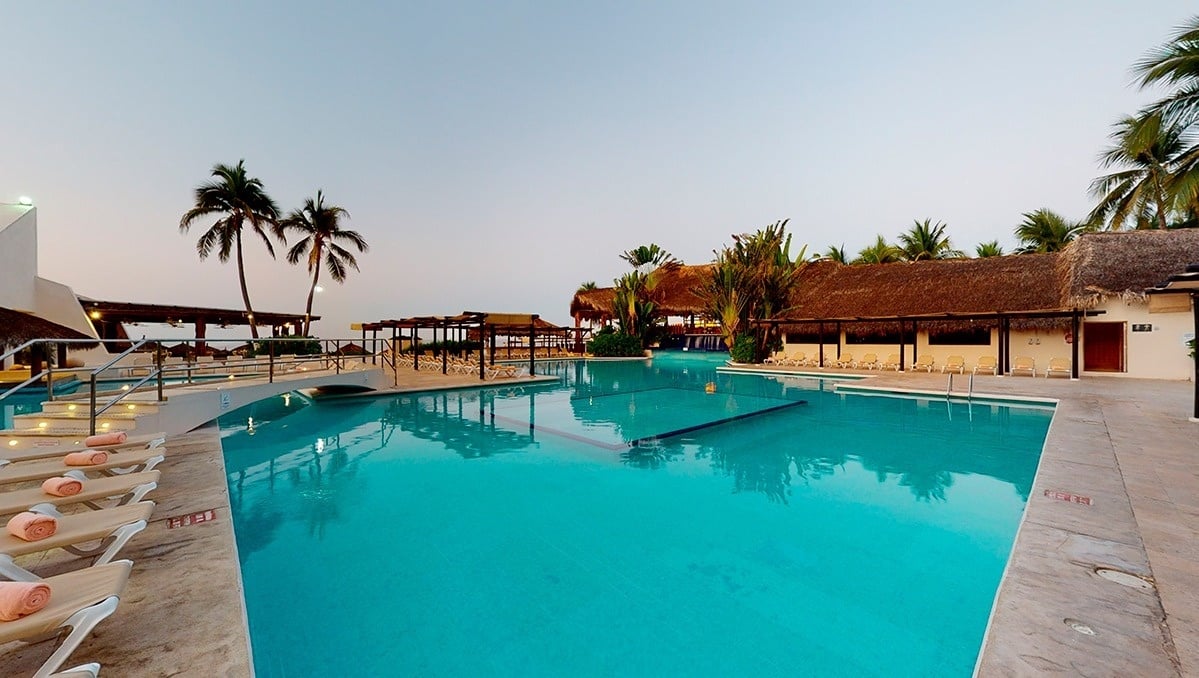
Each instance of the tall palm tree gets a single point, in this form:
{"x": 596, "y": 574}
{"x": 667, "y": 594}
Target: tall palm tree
{"x": 1175, "y": 63}
{"x": 881, "y": 252}
{"x": 988, "y": 249}
{"x": 926, "y": 240}
{"x": 320, "y": 225}
{"x": 1146, "y": 149}
{"x": 242, "y": 200}
{"x": 1046, "y": 231}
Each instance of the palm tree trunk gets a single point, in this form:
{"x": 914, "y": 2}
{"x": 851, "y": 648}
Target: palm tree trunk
{"x": 245, "y": 293}
{"x": 311, "y": 291}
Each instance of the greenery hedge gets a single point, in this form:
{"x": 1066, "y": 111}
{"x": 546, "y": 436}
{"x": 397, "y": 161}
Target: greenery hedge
{"x": 743, "y": 349}
{"x": 615, "y": 345}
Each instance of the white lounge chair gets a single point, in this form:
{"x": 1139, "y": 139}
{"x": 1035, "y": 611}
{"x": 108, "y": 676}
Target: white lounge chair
{"x": 891, "y": 363}
{"x": 124, "y": 461}
{"x": 1024, "y": 364}
{"x": 78, "y": 601}
{"x": 147, "y": 441}
{"x": 846, "y": 360}
{"x": 1058, "y": 366}
{"x": 924, "y": 362}
{"x": 987, "y": 363}
{"x": 121, "y": 490}
{"x": 868, "y": 362}
{"x": 954, "y": 363}
{"x": 111, "y": 527}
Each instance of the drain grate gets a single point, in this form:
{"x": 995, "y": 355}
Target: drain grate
{"x": 1124, "y": 578}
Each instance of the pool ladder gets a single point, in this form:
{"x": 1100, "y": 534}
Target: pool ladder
{"x": 949, "y": 387}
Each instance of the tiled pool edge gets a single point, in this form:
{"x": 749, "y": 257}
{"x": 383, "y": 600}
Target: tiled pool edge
{"x": 1050, "y": 597}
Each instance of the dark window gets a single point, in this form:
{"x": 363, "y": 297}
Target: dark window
{"x": 875, "y": 338}
{"x": 975, "y": 336}
{"x": 830, "y": 337}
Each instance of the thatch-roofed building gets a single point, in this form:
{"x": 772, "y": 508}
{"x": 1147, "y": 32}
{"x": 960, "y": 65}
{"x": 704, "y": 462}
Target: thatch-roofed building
{"x": 857, "y": 308}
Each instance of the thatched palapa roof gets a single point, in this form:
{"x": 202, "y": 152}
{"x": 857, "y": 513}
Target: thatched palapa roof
{"x": 18, "y": 327}
{"x": 1093, "y": 268}
{"x": 676, "y": 294}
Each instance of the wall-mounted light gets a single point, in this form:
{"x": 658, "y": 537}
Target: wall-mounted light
{"x": 95, "y": 315}
{"x": 25, "y": 200}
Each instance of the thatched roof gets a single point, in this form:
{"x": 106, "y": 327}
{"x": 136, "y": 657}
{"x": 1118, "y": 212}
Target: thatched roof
{"x": 676, "y": 294}
{"x": 18, "y": 327}
{"x": 1092, "y": 268}
{"x": 1125, "y": 263}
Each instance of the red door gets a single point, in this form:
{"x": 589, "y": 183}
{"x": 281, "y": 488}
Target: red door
{"x": 1103, "y": 347}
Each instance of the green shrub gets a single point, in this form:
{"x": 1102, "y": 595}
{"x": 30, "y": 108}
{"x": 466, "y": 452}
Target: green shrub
{"x": 743, "y": 349}
{"x": 297, "y": 346}
{"x": 615, "y": 345}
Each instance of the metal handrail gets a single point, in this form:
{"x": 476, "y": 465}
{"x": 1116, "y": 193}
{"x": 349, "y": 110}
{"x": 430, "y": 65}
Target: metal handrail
{"x": 22, "y": 347}
{"x": 20, "y": 386}
{"x": 108, "y": 365}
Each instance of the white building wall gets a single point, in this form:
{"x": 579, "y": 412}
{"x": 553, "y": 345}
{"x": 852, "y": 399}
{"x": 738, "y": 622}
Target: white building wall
{"x": 1158, "y": 354}
{"x": 18, "y": 257}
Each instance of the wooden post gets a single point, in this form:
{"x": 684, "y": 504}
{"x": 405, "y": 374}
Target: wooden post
{"x": 491, "y": 345}
{"x": 532, "y": 342}
{"x": 1075, "y": 326}
{"x": 412, "y": 345}
{"x": 1195, "y": 378}
{"x": 201, "y": 332}
{"x": 915, "y": 343}
{"x": 902, "y": 346}
{"x": 820, "y": 331}
{"x": 838, "y": 340}
{"x": 445, "y": 360}
{"x": 482, "y": 358}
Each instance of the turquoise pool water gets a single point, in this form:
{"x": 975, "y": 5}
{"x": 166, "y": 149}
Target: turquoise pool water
{"x": 625, "y": 522}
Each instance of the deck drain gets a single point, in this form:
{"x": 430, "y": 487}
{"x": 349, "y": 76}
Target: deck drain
{"x": 1124, "y": 578}
{"x": 1079, "y": 626}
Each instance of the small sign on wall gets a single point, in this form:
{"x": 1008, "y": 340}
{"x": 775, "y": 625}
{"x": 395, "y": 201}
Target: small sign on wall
{"x": 1142, "y": 328}
{"x": 226, "y": 401}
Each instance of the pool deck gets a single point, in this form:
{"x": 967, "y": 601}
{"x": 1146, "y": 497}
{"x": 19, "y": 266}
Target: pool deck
{"x": 1125, "y": 445}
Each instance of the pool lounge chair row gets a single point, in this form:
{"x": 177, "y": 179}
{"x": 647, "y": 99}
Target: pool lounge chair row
{"x": 92, "y": 524}
{"x": 954, "y": 364}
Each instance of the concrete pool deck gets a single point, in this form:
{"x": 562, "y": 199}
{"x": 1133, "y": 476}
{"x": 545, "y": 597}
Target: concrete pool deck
{"x": 1125, "y": 445}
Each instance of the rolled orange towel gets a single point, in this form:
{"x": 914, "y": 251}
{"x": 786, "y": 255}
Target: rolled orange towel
{"x": 32, "y": 526}
{"x": 114, "y": 438}
{"x": 19, "y": 598}
{"x": 86, "y": 458}
{"x": 60, "y": 486}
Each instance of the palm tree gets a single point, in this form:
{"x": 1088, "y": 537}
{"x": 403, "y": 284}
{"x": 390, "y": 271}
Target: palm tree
{"x": 1146, "y": 149}
{"x": 837, "y": 254}
{"x": 1175, "y": 63}
{"x": 242, "y": 200}
{"x": 587, "y": 286}
{"x": 988, "y": 249}
{"x": 926, "y": 240}
{"x": 753, "y": 280}
{"x": 320, "y": 224}
{"x": 1046, "y": 231}
{"x": 879, "y": 253}
{"x": 650, "y": 256}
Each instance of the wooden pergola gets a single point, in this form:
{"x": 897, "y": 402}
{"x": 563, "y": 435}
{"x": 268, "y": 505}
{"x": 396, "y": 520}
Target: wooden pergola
{"x": 483, "y": 325}
{"x": 109, "y": 316}
{"x": 1003, "y": 319}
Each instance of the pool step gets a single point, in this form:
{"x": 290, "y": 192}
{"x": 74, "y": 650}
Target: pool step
{"x": 76, "y": 407}
{"x": 53, "y": 423}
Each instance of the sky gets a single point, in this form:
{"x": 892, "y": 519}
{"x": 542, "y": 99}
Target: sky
{"x": 497, "y": 155}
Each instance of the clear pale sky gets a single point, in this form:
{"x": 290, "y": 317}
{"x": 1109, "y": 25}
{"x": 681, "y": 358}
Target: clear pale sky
{"x": 497, "y": 156}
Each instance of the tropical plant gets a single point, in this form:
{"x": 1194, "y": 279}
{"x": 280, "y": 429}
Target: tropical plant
{"x": 837, "y": 254}
{"x": 1175, "y": 63}
{"x": 988, "y": 249}
{"x": 926, "y": 240}
{"x": 879, "y": 253}
{"x": 587, "y": 286}
{"x": 320, "y": 226}
{"x": 648, "y": 257}
{"x": 1045, "y": 231}
{"x": 1144, "y": 190}
{"x": 615, "y": 345}
{"x": 753, "y": 280}
{"x": 241, "y": 200}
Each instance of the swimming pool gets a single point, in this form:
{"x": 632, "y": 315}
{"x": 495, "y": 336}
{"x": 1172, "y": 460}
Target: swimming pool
{"x": 626, "y": 522}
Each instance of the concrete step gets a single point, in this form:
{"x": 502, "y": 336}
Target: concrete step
{"x": 68, "y": 422}
{"x": 77, "y": 406}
